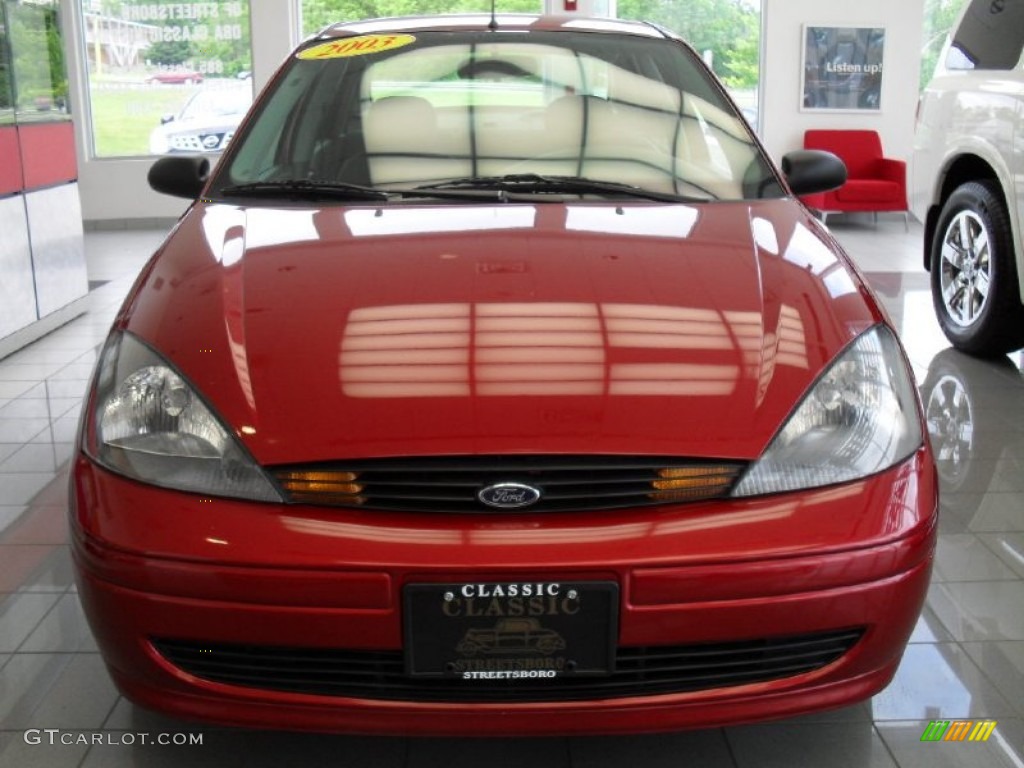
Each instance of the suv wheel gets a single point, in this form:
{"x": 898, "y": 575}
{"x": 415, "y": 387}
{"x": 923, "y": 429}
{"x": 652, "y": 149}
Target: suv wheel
{"x": 974, "y": 274}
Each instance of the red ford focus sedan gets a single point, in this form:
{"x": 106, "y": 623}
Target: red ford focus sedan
{"x": 496, "y": 383}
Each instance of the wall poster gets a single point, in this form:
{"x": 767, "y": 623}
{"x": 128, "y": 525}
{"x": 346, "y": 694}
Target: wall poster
{"x": 842, "y": 68}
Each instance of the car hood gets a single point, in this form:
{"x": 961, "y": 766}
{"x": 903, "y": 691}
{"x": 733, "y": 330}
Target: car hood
{"x": 406, "y": 330}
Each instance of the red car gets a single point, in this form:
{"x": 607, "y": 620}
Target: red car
{"x": 175, "y": 77}
{"x": 489, "y": 320}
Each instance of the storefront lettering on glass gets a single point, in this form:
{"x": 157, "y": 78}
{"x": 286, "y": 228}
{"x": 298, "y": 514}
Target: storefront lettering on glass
{"x": 177, "y": 73}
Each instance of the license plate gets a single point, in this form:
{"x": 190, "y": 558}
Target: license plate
{"x": 511, "y": 631}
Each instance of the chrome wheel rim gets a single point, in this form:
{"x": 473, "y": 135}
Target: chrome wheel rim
{"x": 966, "y": 268}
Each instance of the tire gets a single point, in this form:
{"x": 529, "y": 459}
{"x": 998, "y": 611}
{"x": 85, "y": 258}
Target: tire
{"x": 974, "y": 273}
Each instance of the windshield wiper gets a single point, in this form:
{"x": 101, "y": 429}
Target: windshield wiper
{"x": 472, "y": 194}
{"x": 500, "y": 189}
{"x": 306, "y": 188}
{"x": 536, "y": 183}
{"x": 343, "y": 190}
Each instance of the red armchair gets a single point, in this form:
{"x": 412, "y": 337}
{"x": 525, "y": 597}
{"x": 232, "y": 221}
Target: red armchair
{"x": 874, "y": 183}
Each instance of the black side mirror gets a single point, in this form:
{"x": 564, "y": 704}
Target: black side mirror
{"x": 180, "y": 175}
{"x": 168, "y": 118}
{"x": 813, "y": 170}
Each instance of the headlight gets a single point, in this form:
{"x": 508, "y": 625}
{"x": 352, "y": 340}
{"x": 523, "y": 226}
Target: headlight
{"x": 158, "y": 143}
{"x": 150, "y": 425}
{"x": 860, "y": 418}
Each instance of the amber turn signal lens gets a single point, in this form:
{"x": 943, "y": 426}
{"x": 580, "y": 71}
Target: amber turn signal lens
{"x": 315, "y": 483}
{"x": 696, "y": 482}
{"x": 674, "y": 473}
{"x": 318, "y": 476}
{"x": 333, "y": 488}
{"x": 692, "y": 483}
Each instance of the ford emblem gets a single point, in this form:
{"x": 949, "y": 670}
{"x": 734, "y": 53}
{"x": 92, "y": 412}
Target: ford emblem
{"x": 509, "y": 495}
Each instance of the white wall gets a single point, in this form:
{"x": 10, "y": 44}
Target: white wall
{"x": 783, "y": 124}
{"x": 116, "y": 189}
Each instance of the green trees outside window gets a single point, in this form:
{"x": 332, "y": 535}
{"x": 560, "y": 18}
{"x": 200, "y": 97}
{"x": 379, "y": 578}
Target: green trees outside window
{"x": 939, "y": 18}
{"x": 33, "y": 76}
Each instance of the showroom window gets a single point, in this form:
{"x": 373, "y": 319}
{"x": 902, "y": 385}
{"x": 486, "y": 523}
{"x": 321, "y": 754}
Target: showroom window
{"x": 166, "y": 76}
{"x": 990, "y": 36}
{"x": 32, "y": 88}
{"x": 317, "y": 14}
{"x": 727, "y": 33}
{"x": 939, "y": 18}
{"x": 6, "y": 80}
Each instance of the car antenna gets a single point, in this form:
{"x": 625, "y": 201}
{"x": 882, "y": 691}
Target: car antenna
{"x": 493, "y": 24}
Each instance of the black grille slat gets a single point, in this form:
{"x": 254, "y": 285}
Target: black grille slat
{"x": 427, "y": 486}
{"x": 429, "y": 478}
{"x": 380, "y": 675}
{"x": 542, "y": 463}
{"x": 560, "y": 494}
{"x": 430, "y": 505}
{"x": 654, "y": 669}
{"x": 451, "y": 484}
{"x": 470, "y": 479}
{"x": 713, "y": 651}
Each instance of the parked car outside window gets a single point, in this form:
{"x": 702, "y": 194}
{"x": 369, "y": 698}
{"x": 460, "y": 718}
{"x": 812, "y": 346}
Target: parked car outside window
{"x": 207, "y": 122}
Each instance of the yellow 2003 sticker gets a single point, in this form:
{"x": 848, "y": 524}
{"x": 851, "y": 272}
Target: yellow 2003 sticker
{"x": 355, "y": 46}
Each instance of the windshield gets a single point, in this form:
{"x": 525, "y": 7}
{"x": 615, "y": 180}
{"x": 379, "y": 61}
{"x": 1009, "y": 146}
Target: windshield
{"x": 404, "y": 111}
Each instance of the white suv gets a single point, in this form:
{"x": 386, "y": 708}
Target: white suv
{"x": 968, "y": 179}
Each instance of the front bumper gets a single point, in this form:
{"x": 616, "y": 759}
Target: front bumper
{"x": 154, "y": 564}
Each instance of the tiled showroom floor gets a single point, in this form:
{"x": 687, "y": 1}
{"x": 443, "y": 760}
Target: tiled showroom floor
{"x": 965, "y": 661}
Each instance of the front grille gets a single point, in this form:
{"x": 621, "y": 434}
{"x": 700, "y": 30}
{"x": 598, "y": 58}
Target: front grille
{"x": 451, "y": 484}
{"x": 207, "y": 142}
{"x": 380, "y": 675}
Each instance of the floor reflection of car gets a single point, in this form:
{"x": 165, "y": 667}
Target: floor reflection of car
{"x": 978, "y": 450}
{"x": 207, "y": 121}
{"x": 511, "y": 635}
{"x": 968, "y": 435}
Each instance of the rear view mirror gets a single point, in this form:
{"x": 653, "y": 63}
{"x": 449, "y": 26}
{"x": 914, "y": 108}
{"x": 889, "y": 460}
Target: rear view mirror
{"x": 180, "y": 175}
{"x": 813, "y": 170}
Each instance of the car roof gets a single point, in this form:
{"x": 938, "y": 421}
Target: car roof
{"x": 515, "y": 22}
